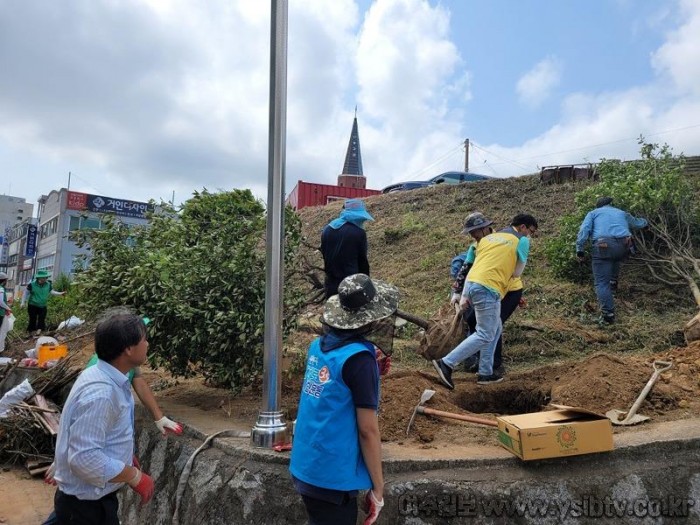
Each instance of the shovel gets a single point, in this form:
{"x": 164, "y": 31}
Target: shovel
{"x": 424, "y": 398}
{"x": 631, "y": 417}
{"x": 421, "y": 409}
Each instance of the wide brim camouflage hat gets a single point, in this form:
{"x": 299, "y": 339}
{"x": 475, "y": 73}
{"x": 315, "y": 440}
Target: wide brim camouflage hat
{"x": 360, "y": 301}
{"x": 475, "y": 221}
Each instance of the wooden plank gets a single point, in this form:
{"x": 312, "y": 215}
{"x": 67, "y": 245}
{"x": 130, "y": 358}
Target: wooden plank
{"x": 39, "y": 471}
{"x": 51, "y": 419}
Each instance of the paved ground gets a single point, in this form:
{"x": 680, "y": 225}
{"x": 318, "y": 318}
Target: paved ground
{"x": 24, "y": 500}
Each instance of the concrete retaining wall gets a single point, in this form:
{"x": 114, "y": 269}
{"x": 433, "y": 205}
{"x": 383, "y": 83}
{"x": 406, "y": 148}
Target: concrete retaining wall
{"x": 642, "y": 481}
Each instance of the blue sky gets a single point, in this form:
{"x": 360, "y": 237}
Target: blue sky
{"x": 600, "y": 46}
{"x": 141, "y": 98}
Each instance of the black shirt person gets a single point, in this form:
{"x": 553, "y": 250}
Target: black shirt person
{"x": 344, "y": 245}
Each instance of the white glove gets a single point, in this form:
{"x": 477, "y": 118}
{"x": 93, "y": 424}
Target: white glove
{"x": 464, "y": 302}
{"x": 455, "y": 298}
{"x": 166, "y": 425}
{"x": 372, "y": 507}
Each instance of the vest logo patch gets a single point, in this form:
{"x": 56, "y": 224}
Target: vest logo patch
{"x": 324, "y": 374}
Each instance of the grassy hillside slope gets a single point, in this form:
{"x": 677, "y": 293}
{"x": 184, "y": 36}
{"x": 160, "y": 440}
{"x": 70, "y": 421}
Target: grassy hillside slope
{"x": 415, "y": 235}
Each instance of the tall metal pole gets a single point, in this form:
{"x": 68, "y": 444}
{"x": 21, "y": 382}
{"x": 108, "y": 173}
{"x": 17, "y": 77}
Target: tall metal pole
{"x": 466, "y": 155}
{"x": 271, "y": 428}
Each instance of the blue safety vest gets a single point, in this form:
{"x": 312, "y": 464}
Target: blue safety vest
{"x": 326, "y": 451}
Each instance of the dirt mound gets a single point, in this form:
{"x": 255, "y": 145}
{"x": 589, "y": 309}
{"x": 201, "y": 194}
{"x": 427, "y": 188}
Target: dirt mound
{"x": 599, "y": 383}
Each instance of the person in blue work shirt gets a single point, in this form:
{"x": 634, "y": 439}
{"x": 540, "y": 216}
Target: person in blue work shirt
{"x": 609, "y": 230}
{"x": 344, "y": 245}
{"x": 337, "y": 445}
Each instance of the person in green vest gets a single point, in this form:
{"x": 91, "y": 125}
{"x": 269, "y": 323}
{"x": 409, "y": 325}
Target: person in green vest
{"x": 145, "y": 394}
{"x": 37, "y": 295}
{"x": 5, "y": 311}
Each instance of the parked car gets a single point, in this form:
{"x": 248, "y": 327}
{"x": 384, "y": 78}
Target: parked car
{"x": 449, "y": 177}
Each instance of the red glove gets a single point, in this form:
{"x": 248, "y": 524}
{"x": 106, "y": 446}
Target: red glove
{"x": 372, "y": 506}
{"x": 142, "y": 484}
{"x": 383, "y": 362}
{"x": 522, "y": 303}
{"x": 135, "y": 462}
{"x": 48, "y": 477}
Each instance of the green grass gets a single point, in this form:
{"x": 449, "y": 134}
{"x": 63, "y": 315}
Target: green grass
{"x": 415, "y": 235}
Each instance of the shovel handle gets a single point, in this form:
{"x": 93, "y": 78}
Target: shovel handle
{"x": 412, "y": 318}
{"x": 659, "y": 368}
{"x": 461, "y": 417}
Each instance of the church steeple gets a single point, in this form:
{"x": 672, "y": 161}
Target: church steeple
{"x": 353, "y": 176}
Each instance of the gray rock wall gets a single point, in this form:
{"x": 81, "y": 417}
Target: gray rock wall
{"x": 230, "y": 483}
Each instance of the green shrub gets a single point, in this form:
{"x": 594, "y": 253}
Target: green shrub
{"x": 653, "y": 187}
{"x": 200, "y": 276}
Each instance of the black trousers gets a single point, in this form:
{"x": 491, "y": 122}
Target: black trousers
{"x": 508, "y": 305}
{"x": 73, "y": 511}
{"x": 325, "y": 513}
{"x": 37, "y": 318}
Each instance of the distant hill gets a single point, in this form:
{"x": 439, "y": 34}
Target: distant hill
{"x": 416, "y": 234}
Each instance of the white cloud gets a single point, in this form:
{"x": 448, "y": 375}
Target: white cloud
{"x": 173, "y": 93}
{"x": 678, "y": 57}
{"x": 412, "y": 83}
{"x": 141, "y": 98}
{"x": 607, "y": 124}
{"x": 536, "y": 86}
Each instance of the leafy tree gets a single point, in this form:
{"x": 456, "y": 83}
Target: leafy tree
{"x": 200, "y": 276}
{"x": 654, "y": 187}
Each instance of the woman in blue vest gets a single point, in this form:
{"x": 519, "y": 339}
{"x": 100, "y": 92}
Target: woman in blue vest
{"x": 337, "y": 448}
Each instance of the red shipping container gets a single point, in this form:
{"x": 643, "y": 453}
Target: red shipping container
{"x": 311, "y": 194}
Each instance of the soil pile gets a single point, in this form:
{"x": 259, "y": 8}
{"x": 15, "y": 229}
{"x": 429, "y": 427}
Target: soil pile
{"x": 598, "y": 383}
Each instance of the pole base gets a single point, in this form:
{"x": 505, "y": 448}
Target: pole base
{"x": 270, "y": 430}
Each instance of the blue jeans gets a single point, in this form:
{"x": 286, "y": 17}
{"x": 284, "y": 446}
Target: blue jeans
{"x": 608, "y": 253}
{"x": 487, "y": 308}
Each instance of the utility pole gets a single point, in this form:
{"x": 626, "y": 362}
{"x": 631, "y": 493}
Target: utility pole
{"x": 271, "y": 428}
{"x": 68, "y": 181}
{"x": 466, "y": 155}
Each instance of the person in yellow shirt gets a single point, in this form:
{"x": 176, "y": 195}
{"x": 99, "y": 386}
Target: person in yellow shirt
{"x": 502, "y": 257}
{"x": 478, "y": 227}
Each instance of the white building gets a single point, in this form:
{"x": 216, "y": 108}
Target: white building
{"x": 63, "y": 211}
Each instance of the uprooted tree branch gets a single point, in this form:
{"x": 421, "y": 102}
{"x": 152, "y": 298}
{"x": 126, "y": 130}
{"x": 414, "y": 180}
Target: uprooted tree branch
{"x": 668, "y": 251}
